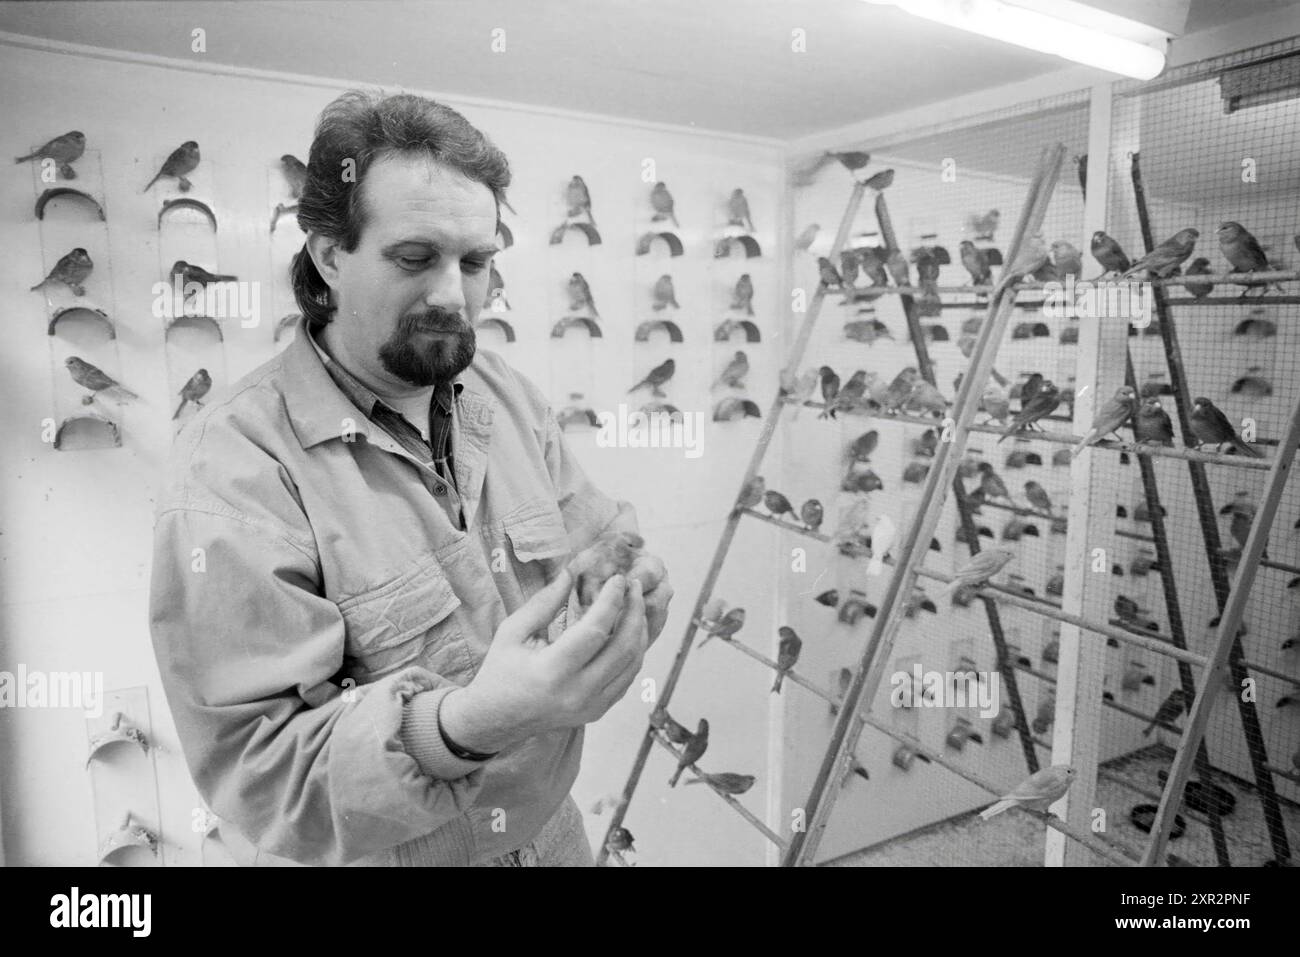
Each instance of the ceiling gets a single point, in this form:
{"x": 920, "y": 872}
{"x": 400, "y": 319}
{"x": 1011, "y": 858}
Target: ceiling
{"x": 722, "y": 65}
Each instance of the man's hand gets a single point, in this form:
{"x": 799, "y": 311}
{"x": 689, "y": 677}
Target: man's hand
{"x": 650, "y": 571}
{"x": 524, "y": 688}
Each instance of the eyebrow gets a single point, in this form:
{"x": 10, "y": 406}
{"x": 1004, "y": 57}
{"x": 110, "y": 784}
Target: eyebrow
{"x": 484, "y": 250}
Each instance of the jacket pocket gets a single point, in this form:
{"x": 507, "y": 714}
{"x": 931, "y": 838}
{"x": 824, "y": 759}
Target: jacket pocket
{"x": 540, "y": 543}
{"x": 409, "y": 620}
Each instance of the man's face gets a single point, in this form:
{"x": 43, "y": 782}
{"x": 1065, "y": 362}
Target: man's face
{"x": 409, "y": 294}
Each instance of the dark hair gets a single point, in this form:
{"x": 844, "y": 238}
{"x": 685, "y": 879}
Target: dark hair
{"x": 363, "y": 127}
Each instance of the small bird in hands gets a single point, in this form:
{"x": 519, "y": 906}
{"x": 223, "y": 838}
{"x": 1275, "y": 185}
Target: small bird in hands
{"x": 830, "y": 383}
{"x": 578, "y": 199}
{"x": 1211, "y": 427}
{"x": 1151, "y": 425}
{"x": 742, "y": 297}
{"x": 1116, "y": 411}
{"x": 787, "y": 655}
{"x": 182, "y": 161}
{"x": 1200, "y": 266}
{"x": 976, "y": 262}
{"x": 64, "y": 150}
{"x": 1043, "y": 404}
{"x": 979, "y": 569}
{"x": 194, "y": 390}
{"x": 580, "y": 295}
{"x": 71, "y": 270}
{"x": 1038, "y": 497}
{"x": 692, "y": 751}
{"x": 738, "y": 210}
{"x": 612, "y": 553}
{"x": 662, "y": 201}
{"x": 726, "y": 782}
{"x": 1243, "y": 251}
{"x": 1109, "y": 253}
{"x": 96, "y": 380}
{"x": 1169, "y": 709}
{"x": 726, "y": 626}
{"x": 734, "y": 374}
{"x": 1038, "y": 792}
{"x": 657, "y": 377}
{"x": 777, "y": 504}
{"x": 827, "y": 273}
{"x": 1167, "y": 257}
{"x": 664, "y": 294}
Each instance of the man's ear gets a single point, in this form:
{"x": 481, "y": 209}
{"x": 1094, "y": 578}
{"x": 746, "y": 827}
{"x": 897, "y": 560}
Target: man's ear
{"x": 324, "y": 252}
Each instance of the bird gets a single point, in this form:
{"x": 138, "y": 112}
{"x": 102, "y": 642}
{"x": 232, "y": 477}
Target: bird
{"x": 189, "y": 273}
{"x": 738, "y": 209}
{"x": 777, "y": 504}
{"x": 692, "y": 751}
{"x": 1037, "y": 792}
{"x": 802, "y": 389}
{"x": 664, "y": 295}
{"x": 991, "y": 485}
{"x": 860, "y": 449}
{"x": 578, "y": 198}
{"x": 1030, "y": 388}
{"x": 1046, "y": 714}
{"x": 1117, "y": 410}
{"x": 995, "y": 404}
{"x": 1109, "y": 253}
{"x": 612, "y": 553}
{"x": 734, "y": 374}
{"x": 896, "y": 266}
{"x": 182, "y": 161}
{"x": 828, "y": 275}
{"x": 1067, "y": 260}
{"x": 662, "y": 201}
{"x": 657, "y": 377}
{"x": 851, "y": 393}
{"x": 1169, "y": 709}
{"x": 1242, "y": 250}
{"x": 976, "y": 262}
{"x": 926, "y": 398}
{"x": 580, "y": 295}
{"x": 861, "y": 478}
{"x": 1135, "y": 676}
{"x": 983, "y": 226}
{"x": 1211, "y": 426}
{"x": 71, "y": 270}
{"x": 873, "y": 266}
{"x": 1168, "y": 256}
{"x": 1043, "y": 404}
{"x": 751, "y": 493}
{"x": 900, "y": 388}
{"x": 811, "y": 514}
{"x": 1151, "y": 424}
{"x": 979, "y": 569}
{"x": 620, "y": 839}
{"x": 1038, "y": 497}
{"x": 806, "y": 238}
{"x": 194, "y": 390}
{"x": 62, "y": 149}
{"x": 1242, "y": 510}
{"x": 742, "y": 297}
{"x": 787, "y": 655}
{"x": 1200, "y": 266}
{"x": 726, "y": 626}
{"x": 295, "y": 172}
{"x": 830, "y": 383}
{"x": 866, "y": 331}
{"x": 96, "y": 380}
{"x": 1030, "y": 260}
{"x": 726, "y": 782}
{"x": 849, "y": 263}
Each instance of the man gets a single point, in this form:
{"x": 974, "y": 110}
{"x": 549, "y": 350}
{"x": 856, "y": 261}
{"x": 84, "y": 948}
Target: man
{"x": 359, "y": 604}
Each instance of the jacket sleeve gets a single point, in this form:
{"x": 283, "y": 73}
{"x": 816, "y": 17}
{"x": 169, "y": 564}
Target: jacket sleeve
{"x": 246, "y": 645}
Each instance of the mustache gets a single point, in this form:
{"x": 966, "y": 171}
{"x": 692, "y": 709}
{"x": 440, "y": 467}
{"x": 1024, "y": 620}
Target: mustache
{"x": 437, "y": 320}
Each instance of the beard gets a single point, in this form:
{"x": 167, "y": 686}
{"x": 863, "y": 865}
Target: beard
{"x": 427, "y": 360}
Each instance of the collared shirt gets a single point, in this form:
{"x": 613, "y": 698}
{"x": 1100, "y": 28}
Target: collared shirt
{"x": 310, "y": 608}
{"x": 435, "y": 455}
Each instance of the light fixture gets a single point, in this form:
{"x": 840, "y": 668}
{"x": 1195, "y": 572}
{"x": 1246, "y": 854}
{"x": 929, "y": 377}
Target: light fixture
{"x": 1079, "y": 33}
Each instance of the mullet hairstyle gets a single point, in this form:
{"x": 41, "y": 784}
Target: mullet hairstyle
{"x": 352, "y": 133}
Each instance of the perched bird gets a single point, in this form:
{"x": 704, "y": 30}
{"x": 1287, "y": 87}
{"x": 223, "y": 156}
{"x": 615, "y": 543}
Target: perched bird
{"x": 806, "y": 238}
{"x": 1242, "y": 250}
{"x": 926, "y": 444}
{"x": 189, "y": 273}
{"x": 742, "y": 297}
{"x": 983, "y": 226}
{"x": 692, "y": 751}
{"x": 194, "y": 390}
{"x": 882, "y": 538}
{"x": 1046, "y": 714}
{"x": 873, "y": 266}
{"x": 882, "y": 180}
{"x": 1200, "y": 266}
{"x": 1211, "y": 426}
{"x": 777, "y": 504}
{"x": 63, "y": 150}
{"x": 826, "y": 271}
{"x": 620, "y": 839}
{"x": 1169, "y": 709}
{"x": 991, "y": 485}
{"x": 1126, "y": 608}
{"x": 1109, "y": 253}
{"x": 787, "y": 655}
{"x": 1168, "y": 256}
{"x": 926, "y": 398}
{"x": 662, "y": 201}
{"x": 1038, "y": 792}
{"x": 738, "y": 210}
{"x": 830, "y": 383}
{"x": 861, "y": 478}
{"x": 1043, "y": 404}
{"x": 900, "y": 389}
{"x": 734, "y": 374}
{"x": 712, "y": 611}
{"x": 1038, "y": 497}
{"x": 96, "y": 380}
{"x": 727, "y": 625}
{"x": 811, "y": 514}
{"x": 726, "y": 782}
{"x": 579, "y": 199}
{"x": 1031, "y": 259}
{"x": 751, "y": 493}
{"x": 295, "y": 173}
{"x": 860, "y": 449}
{"x": 849, "y": 267}
{"x": 657, "y": 377}
{"x": 802, "y": 389}
{"x": 664, "y": 295}
{"x": 580, "y": 295}
{"x": 1152, "y": 425}
{"x": 896, "y": 265}
{"x": 1067, "y": 260}
{"x": 851, "y": 393}
{"x": 1030, "y": 388}
{"x": 976, "y": 262}
{"x": 1117, "y": 410}
{"x": 71, "y": 270}
{"x": 612, "y": 553}
{"x": 182, "y": 161}
{"x": 995, "y": 404}
{"x": 979, "y": 569}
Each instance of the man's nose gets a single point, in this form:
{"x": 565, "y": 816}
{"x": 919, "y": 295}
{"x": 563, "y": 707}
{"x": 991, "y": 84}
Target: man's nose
{"x": 446, "y": 288}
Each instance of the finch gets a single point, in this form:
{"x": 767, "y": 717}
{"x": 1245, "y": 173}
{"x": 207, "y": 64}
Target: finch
{"x": 1171, "y": 708}
{"x": 826, "y": 271}
{"x": 861, "y": 448}
{"x": 662, "y": 201}
{"x": 620, "y": 839}
{"x": 580, "y": 295}
{"x": 995, "y": 404}
{"x": 295, "y": 172}
{"x": 873, "y": 266}
{"x": 189, "y": 273}
{"x": 664, "y": 295}
{"x": 983, "y": 227}
{"x": 1117, "y": 410}
{"x": 1067, "y": 260}
{"x": 613, "y": 553}
{"x": 71, "y": 270}
{"x": 830, "y": 383}
{"x": 979, "y": 569}
{"x": 726, "y": 782}
{"x": 1152, "y": 425}
{"x": 742, "y": 297}
{"x": 692, "y": 751}
{"x": 657, "y": 377}
{"x": 1109, "y": 253}
{"x": 991, "y": 485}
{"x": 1211, "y": 426}
{"x": 1168, "y": 256}
{"x": 751, "y": 493}
{"x": 96, "y": 380}
{"x": 1043, "y": 404}
{"x": 1032, "y": 258}
{"x": 1038, "y": 497}
{"x": 777, "y": 504}
{"x": 194, "y": 390}
{"x": 851, "y": 393}
{"x": 1200, "y": 266}
{"x": 896, "y": 265}
{"x": 787, "y": 655}
{"x": 63, "y": 150}
{"x": 738, "y": 209}
{"x": 849, "y": 266}
{"x": 1038, "y": 792}
{"x": 900, "y": 389}
{"x": 811, "y": 514}
{"x": 1242, "y": 249}
{"x": 977, "y": 264}
{"x": 183, "y": 160}
{"x": 734, "y": 374}
{"x": 578, "y": 199}
{"x": 727, "y": 625}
